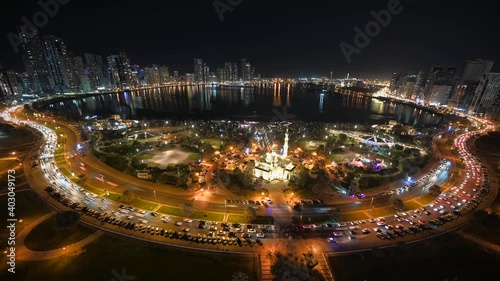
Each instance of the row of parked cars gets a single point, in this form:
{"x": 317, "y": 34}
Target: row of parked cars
{"x": 210, "y": 238}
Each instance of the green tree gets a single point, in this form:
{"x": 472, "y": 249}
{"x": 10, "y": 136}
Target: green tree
{"x": 250, "y": 214}
{"x": 128, "y": 196}
{"x": 188, "y": 208}
{"x": 342, "y": 138}
{"x": 247, "y": 179}
{"x": 398, "y": 204}
{"x": 66, "y": 219}
{"x": 240, "y": 276}
{"x": 435, "y": 190}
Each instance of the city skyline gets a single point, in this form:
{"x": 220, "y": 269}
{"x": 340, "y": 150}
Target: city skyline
{"x": 278, "y": 46}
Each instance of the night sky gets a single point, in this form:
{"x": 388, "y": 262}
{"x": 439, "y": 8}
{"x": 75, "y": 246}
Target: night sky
{"x": 280, "y": 38}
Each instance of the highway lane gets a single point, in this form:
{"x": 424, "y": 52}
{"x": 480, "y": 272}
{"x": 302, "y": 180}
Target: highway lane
{"x": 473, "y": 179}
{"x": 216, "y": 203}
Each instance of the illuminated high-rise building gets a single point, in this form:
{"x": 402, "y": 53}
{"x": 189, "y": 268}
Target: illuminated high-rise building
{"x": 35, "y": 61}
{"x": 487, "y": 95}
{"x": 472, "y": 72}
{"x": 97, "y": 75}
{"x": 164, "y": 75}
{"x": 199, "y": 70}
{"x": 113, "y": 70}
{"x": 58, "y": 64}
{"x": 440, "y": 83}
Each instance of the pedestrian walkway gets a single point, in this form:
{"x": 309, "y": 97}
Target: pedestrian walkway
{"x": 324, "y": 268}
{"x": 480, "y": 241}
{"x": 26, "y": 254}
{"x": 265, "y": 268}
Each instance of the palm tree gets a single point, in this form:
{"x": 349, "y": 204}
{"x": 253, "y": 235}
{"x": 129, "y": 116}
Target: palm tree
{"x": 240, "y": 276}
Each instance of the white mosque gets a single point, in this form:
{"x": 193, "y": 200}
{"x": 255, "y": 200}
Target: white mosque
{"x": 273, "y": 166}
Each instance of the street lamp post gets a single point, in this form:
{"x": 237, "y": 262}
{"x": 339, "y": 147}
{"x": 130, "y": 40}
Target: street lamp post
{"x": 371, "y": 204}
{"x": 154, "y": 191}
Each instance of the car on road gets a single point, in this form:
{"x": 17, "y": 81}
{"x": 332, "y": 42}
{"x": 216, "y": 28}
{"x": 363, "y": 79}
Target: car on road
{"x": 338, "y": 233}
{"x": 179, "y": 223}
{"x": 260, "y": 235}
{"x": 365, "y": 231}
{"x": 154, "y": 214}
{"x": 186, "y": 229}
{"x": 144, "y": 221}
{"x": 331, "y": 240}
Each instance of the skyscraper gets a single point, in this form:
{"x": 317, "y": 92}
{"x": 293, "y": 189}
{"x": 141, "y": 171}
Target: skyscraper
{"x": 220, "y": 75}
{"x": 487, "y": 94}
{"x": 408, "y": 86}
{"x": 5, "y": 91}
{"x": 152, "y": 75}
{"x": 227, "y": 71}
{"x": 420, "y": 85}
{"x": 199, "y": 70}
{"x": 35, "y": 61}
{"x": 234, "y": 72}
{"x": 243, "y": 69}
{"x": 95, "y": 71}
{"x": 206, "y": 73}
{"x": 124, "y": 70}
{"x": 164, "y": 75}
{"x": 57, "y": 62}
{"x": 472, "y": 73}
{"x": 113, "y": 70}
{"x": 440, "y": 84}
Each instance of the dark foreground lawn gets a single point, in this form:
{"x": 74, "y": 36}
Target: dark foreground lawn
{"x": 143, "y": 261}
{"x": 445, "y": 258}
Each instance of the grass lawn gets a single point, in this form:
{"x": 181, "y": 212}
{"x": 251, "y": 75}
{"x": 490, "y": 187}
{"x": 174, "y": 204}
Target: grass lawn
{"x": 411, "y": 205}
{"x": 135, "y": 203}
{"x": 207, "y": 216}
{"x": 304, "y": 145}
{"x": 52, "y": 238}
{"x": 93, "y": 189}
{"x": 59, "y": 160}
{"x": 425, "y": 199}
{"x": 58, "y": 150}
{"x": 7, "y": 164}
{"x": 28, "y": 209}
{"x": 336, "y": 158}
{"x": 65, "y": 172}
{"x": 214, "y": 142}
{"x": 354, "y": 216}
{"x": 447, "y": 257}
{"x": 195, "y": 156}
{"x": 381, "y": 212}
{"x": 237, "y": 219}
{"x": 243, "y": 219}
{"x": 167, "y": 210}
{"x": 143, "y": 261}
{"x": 144, "y": 156}
{"x": 143, "y": 205}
